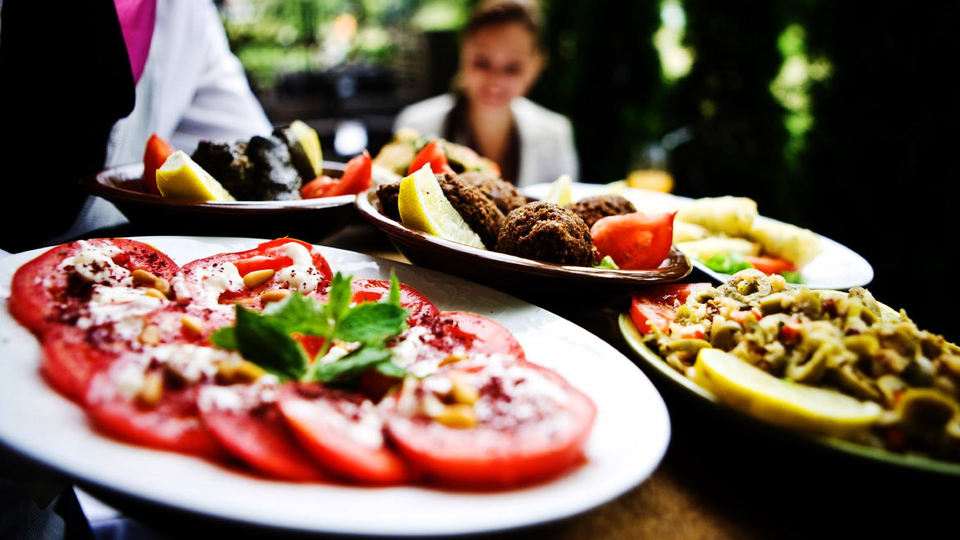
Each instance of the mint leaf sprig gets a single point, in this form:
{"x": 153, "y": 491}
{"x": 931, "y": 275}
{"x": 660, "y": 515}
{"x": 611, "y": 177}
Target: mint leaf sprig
{"x": 266, "y": 338}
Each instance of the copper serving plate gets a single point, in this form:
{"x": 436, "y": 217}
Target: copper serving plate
{"x": 526, "y": 278}
{"x": 309, "y": 219}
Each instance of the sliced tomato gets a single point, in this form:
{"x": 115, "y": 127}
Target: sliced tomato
{"x": 476, "y": 334}
{"x": 171, "y": 424}
{"x": 342, "y": 431}
{"x": 434, "y": 155}
{"x": 42, "y": 293}
{"x": 771, "y": 265}
{"x": 257, "y": 435}
{"x": 522, "y": 438}
{"x": 268, "y": 255}
{"x": 634, "y": 241}
{"x": 373, "y": 290}
{"x": 657, "y": 306}
{"x": 69, "y": 361}
{"x": 157, "y": 151}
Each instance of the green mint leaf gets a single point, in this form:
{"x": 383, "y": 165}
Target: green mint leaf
{"x": 269, "y": 345}
{"x": 225, "y": 338}
{"x": 341, "y": 293}
{"x": 301, "y": 314}
{"x": 394, "y": 289}
{"x": 352, "y": 366}
{"x": 391, "y": 370}
{"x": 608, "y": 263}
{"x": 371, "y": 323}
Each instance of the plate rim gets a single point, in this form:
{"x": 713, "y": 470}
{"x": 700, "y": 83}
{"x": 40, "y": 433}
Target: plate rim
{"x": 98, "y": 184}
{"x": 661, "y": 424}
{"x": 631, "y": 334}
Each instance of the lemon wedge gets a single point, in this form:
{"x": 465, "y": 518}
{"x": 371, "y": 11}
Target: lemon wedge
{"x": 182, "y": 179}
{"x": 423, "y": 207}
{"x": 310, "y": 143}
{"x": 792, "y": 405}
{"x": 560, "y": 193}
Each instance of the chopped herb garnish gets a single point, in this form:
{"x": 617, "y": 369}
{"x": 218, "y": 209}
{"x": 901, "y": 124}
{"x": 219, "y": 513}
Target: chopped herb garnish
{"x": 792, "y": 277}
{"x": 608, "y": 263}
{"x": 266, "y": 339}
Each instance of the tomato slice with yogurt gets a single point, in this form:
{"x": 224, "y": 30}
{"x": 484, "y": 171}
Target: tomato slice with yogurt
{"x": 510, "y": 423}
{"x": 245, "y": 419}
{"x": 55, "y": 286}
{"x": 150, "y": 396}
{"x": 343, "y": 431}
{"x": 224, "y": 279}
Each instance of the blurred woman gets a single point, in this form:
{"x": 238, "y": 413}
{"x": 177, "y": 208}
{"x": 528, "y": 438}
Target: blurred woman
{"x": 500, "y": 59}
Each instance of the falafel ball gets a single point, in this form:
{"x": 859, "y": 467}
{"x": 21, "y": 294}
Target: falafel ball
{"x": 498, "y": 190}
{"x": 389, "y": 195}
{"x": 480, "y": 213}
{"x": 592, "y": 209}
{"x": 547, "y": 232}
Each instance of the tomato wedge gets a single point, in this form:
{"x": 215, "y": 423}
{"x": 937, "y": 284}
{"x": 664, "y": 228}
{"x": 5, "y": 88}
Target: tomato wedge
{"x": 373, "y": 290}
{"x": 173, "y": 423}
{"x": 656, "y": 306}
{"x": 522, "y": 435}
{"x": 42, "y": 293}
{"x": 771, "y": 265}
{"x": 157, "y": 151}
{"x": 434, "y": 155}
{"x": 634, "y": 241}
{"x": 342, "y": 431}
{"x": 256, "y": 433}
{"x": 357, "y": 177}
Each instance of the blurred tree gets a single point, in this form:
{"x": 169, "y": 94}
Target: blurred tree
{"x": 738, "y": 126}
{"x": 603, "y": 73}
{"x": 881, "y": 163}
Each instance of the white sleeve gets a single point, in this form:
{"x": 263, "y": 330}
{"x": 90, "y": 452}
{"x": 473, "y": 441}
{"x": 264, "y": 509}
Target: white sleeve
{"x": 223, "y": 107}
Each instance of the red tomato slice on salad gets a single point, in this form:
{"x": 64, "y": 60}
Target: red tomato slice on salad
{"x": 771, "y": 265}
{"x": 172, "y": 423}
{"x": 69, "y": 361}
{"x": 476, "y": 334}
{"x": 634, "y": 241}
{"x": 342, "y": 431}
{"x": 531, "y": 425}
{"x": 657, "y": 306}
{"x": 374, "y": 290}
{"x": 434, "y": 155}
{"x": 255, "y": 432}
{"x": 50, "y": 290}
{"x": 219, "y": 279}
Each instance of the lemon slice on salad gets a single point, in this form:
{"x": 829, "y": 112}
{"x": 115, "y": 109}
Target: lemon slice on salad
{"x": 182, "y": 179}
{"x": 423, "y": 207}
{"x": 560, "y": 193}
{"x": 777, "y": 401}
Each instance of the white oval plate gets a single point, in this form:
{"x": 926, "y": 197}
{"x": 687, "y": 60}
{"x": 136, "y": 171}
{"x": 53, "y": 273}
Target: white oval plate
{"x": 628, "y": 441}
{"x": 836, "y": 267}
